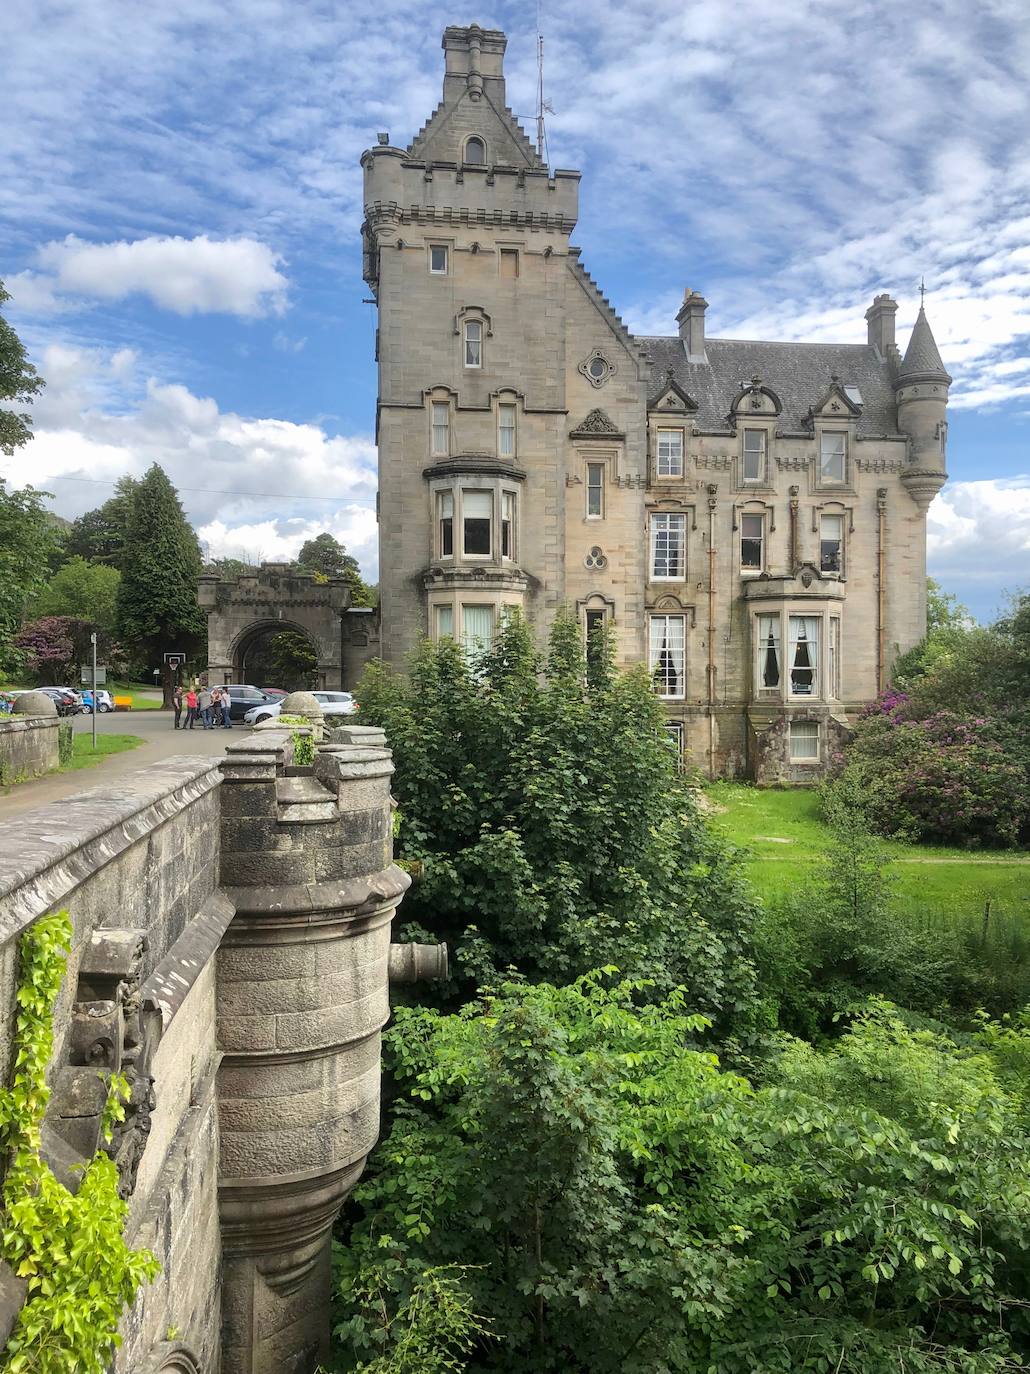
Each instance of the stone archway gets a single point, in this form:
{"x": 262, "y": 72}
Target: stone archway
{"x": 245, "y": 612}
{"x": 255, "y": 660}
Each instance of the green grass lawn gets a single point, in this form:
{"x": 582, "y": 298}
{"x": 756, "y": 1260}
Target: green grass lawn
{"x": 136, "y": 690}
{"x": 782, "y": 831}
{"x": 84, "y": 755}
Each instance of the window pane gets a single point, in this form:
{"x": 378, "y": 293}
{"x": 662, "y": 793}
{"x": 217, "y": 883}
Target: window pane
{"x": 506, "y": 431}
{"x": 804, "y": 655}
{"x": 508, "y": 525}
{"x": 509, "y": 263}
{"x": 473, "y": 344}
{"x": 477, "y": 513}
{"x": 441, "y": 427}
{"x": 670, "y": 453}
{"x": 438, "y": 258}
{"x": 768, "y": 633}
{"x": 804, "y": 739}
{"x": 674, "y": 733}
{"x": 475, "y": 151}
{"x": 477, "y": 629}
{"x": 667, "y": 654}
{"x": 445, "y": 622}
{"x": 445, "y": 516}
{"x": 831, "y": 542}
{"x": 595, "y": 489}
{"x": 752, "y": 529}
{"x": 832, "y": 456}
{"x": 833, "y": 658}
{"x": 668, "y": 537}
{"x": 754, "y": 455}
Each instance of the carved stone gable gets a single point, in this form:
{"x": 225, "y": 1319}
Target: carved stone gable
{"x": 598, "y": 422}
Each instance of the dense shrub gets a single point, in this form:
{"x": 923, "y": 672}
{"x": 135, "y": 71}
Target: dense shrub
{"x": 621, "y": 1203}
{"x": 942, "y": 776}
{"x": 549, "y": 826}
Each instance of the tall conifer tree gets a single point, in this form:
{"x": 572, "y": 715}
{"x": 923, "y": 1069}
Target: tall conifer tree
{"x": 157, "y": 599}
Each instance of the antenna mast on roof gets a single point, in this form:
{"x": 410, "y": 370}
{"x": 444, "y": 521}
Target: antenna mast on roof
{"x": 541, "y": 103}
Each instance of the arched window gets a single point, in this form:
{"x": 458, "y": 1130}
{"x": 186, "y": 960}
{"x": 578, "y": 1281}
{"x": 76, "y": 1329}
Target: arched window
{"x": 475, "y": 151}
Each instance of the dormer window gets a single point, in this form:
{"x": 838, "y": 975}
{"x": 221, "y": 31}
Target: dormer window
{"x": 832, "y": 455}
{"x": 670, "y": 453}
{"x": 475, "y": 151}
{"x": 473, "y": 343}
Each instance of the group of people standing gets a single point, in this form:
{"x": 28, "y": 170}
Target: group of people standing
{"x": 209, "y": 705}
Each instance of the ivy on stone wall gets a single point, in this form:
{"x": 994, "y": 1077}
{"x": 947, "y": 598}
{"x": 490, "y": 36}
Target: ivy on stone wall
{"x": 70, "y": 1248}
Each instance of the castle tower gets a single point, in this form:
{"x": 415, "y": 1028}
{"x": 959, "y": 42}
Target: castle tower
{"x": 921, "y": 387}
{"x": 493, "y": 345}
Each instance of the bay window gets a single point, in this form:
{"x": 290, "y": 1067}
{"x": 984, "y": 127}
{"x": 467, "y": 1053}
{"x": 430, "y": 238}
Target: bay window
{"x": 832, "y": 455}
{"x": 445, "y": 622}
{"x": 477, "y": 629}
{"x": 668, "y": 546}
{"x": 477, "y": 523}
{"x": 833, "y": 658}
{"x": 803, "y": 651}
{"x": 752, "y": 537}
{"x": 768, "y": 635}
{"x": 754, "y": 455}
{"x": 667, "y": 655}
{"x": 506, "y": 431}
{"x": 670, "y": 453}
{"x": 445, "y": 523}
{"x": 831, "y": 543}
{"x": 507, "y": 524}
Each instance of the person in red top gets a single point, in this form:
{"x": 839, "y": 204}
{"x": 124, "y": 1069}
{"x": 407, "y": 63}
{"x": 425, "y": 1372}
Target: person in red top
{"x": 191, "y": 708}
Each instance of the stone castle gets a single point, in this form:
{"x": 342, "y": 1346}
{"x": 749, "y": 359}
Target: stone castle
{"x": 748, "y": 518}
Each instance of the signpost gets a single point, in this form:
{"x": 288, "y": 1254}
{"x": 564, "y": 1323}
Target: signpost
{"x": 86, "y": 675}
{"x": 93, "y": 642}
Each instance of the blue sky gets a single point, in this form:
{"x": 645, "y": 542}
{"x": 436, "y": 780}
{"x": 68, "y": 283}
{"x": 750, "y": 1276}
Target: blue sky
{"x": 181, "y": 203}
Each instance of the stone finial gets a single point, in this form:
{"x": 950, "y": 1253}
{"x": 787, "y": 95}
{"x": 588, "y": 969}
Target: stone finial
{"x": 34, "y": 704}
{"x": 301, "y": 704}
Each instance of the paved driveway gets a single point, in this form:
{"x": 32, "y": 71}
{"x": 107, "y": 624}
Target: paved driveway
{"x": 161, "y": 741}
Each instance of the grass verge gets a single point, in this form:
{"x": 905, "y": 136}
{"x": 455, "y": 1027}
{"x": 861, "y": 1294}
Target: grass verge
{"x": 782, "y": 831}
{"x": 144, "y": 698}
{"x": 84, "y": 755}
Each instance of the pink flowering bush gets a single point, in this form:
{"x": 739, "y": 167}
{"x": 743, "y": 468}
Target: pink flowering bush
{"x": 947, "y": 776}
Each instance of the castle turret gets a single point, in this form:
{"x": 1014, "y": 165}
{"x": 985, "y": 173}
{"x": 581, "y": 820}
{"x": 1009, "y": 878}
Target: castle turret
{"x": 921, "y": 388}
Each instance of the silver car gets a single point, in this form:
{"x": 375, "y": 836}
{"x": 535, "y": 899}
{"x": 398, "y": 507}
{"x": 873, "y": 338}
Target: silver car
{"x": 332, "y": 704}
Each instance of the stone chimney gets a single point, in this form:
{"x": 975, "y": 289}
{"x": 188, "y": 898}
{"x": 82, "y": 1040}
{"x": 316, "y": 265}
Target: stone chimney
{"x": 691, "y": 321}
{"x": 880, "y": 319}
{"x": 474, "y": 62}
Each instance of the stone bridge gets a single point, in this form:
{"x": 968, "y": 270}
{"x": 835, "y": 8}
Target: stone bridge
{"x": 245, "y": 613}
{"x": 231, "y": 955}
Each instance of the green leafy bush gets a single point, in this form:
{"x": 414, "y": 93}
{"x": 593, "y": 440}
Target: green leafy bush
{"x": 65, "y": 741}
{"x": 623, "y": 1203}
{"x": 550, "y": 825}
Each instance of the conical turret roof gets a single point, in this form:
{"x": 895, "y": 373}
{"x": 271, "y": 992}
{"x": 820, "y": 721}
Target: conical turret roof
{"x": 922, "y": 357}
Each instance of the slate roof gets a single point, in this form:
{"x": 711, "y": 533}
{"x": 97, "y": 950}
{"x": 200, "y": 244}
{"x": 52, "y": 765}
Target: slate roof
{"x": 799, "y": 374}
{"x": 922, "y": 357}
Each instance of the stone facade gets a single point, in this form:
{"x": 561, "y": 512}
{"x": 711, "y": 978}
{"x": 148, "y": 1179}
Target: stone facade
{"x": 231, "y": 955}
{"x": 28, "y": 739}
{"x": 748, "y": 518}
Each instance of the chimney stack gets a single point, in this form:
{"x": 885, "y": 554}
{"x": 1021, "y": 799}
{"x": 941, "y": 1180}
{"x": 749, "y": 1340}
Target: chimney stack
{"x": 880, "y": 319}
{"x": 691, "y": 321}
{"x": 474, "y": 62}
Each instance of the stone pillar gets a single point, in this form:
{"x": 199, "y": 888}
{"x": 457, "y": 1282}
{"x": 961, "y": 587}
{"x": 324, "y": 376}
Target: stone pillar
{"x": 302, "y": 998}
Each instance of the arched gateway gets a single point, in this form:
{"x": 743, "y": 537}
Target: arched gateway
{"x": 245, "y": 614}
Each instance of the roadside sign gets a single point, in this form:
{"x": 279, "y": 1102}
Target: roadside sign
{"x": 86, "y": 675}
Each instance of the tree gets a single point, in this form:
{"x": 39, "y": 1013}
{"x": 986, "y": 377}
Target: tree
{"x": 620, "y": 1202}
{"x": 326, "y": 557}
{"x": 550, "y": 826}
{"x": 293, "y": 658}
{"x": 88, "y": 591}
{"x": 99, "y": 536}
{"x": 19, "y": 382}
{"x": 48, "y": 647}
{"x": 157, "y": 597}
{"x": 26, "y": 540}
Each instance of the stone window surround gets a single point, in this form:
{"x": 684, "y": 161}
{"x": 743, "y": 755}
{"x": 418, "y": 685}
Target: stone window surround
{"x": 847, "y": 514}
{"x": 836, "y": 426}
{"x": 804, "y": 760}
{"x": 766, "y": 424}
{"x": 668, "y": 615}
{"x": 659, "y": 428}
{"x": 439, "y": 395}
{"x": 688, "y": 510}
{"x": 472, "y": 314}
{"x": 755, "y": 505}
{"x": 603, "y": 464}
{"x": 483, "y": 161}
{"x": 455, "y": 484}
{"x": 506, "y": 396}
{"x": 821, "y": 609}
{"x": 448, "y": 246}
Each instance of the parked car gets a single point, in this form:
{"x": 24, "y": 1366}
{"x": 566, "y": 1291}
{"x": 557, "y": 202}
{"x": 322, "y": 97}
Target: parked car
{"x": 105, "y": 701}
{"x": 68, "y": 703}
{"x": 242, "y": 697}
{"x": 276, "y": 693}
{"x": 332, "y": 704}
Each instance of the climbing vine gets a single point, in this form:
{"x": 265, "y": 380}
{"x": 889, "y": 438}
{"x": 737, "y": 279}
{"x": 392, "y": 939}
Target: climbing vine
{"x": 303, "y": 740}
{"x": 70, "y": 1248}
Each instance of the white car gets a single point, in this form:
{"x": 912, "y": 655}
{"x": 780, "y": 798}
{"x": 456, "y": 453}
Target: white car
{"x": 332, "y": 704}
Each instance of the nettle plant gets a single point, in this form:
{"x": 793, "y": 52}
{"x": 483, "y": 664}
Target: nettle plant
{"x": 70, "y": 1248}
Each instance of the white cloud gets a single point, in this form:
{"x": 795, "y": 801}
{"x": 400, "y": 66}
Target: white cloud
{"x": 201, "y": 275}
{"x": 978, "y": 539}
{"x": 251, "y": 485}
